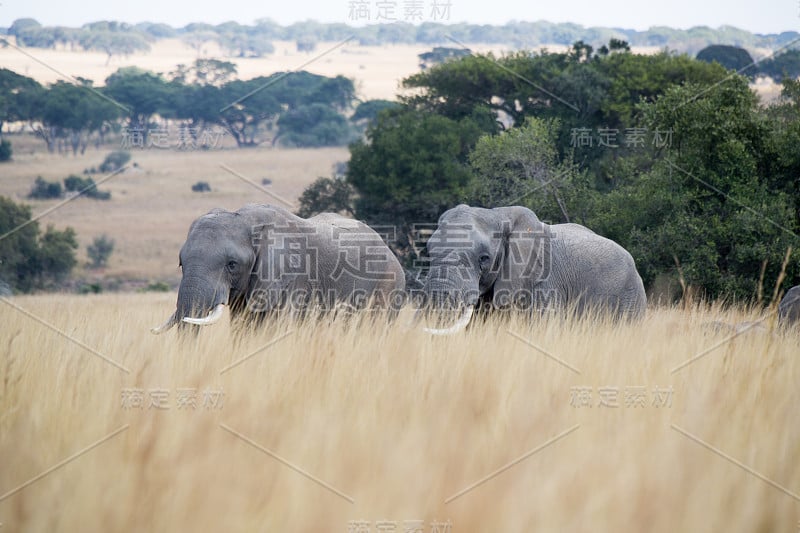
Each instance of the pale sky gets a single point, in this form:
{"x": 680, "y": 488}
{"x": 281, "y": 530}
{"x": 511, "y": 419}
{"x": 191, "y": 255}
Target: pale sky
{"x": 770, "y": 16}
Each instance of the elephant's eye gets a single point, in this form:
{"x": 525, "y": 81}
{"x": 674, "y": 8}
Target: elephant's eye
{"x": 232, "y": 265}
{"x": 484, "y": 259}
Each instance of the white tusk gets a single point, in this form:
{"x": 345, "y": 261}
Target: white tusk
{"x": 171, "y": 321}
{"x": 212, "y": 318}
{"x": 466, "y": 316}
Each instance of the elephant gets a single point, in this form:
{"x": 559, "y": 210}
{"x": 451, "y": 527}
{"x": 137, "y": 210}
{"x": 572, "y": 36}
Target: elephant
{"x": 506, "y": 258}
{"x": 262, "y": 259}
{"x": 789, "y": 308}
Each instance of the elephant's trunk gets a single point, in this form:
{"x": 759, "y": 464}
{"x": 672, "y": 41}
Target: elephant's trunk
{"x": 200, "y": 303}
{"x": 171, "y": 321}
{"x": 447, "y": 291}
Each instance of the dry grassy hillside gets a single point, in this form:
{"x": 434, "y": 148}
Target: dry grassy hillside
{"x": 315, "y": 427}
{"x": 152, "y": 205}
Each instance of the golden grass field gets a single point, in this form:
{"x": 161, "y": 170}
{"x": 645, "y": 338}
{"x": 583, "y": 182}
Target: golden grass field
{"x": 322, "y": 425}
{"x": 335, "y": 423}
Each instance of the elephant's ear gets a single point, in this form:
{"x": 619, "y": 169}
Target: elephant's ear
{"x": 527, "y": 253}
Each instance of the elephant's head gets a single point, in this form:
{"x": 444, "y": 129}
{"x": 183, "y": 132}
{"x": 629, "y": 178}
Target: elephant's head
{"x": 216, "y": 260}
{"x": 483, "y": 255}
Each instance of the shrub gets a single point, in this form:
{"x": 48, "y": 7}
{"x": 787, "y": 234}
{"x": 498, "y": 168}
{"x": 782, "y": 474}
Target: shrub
{"x": 201, "y": 186}
{"x": 5, "y": 151}
{"x": 115, "y": 161}
{"x": 156, "y": 286}
{"x": 32, "y": 259}
{"x": 99, "y": 251}
{"x": 45, "y": 190}
{"x": 91, "y": 288}
{"x": 86, "y": 186}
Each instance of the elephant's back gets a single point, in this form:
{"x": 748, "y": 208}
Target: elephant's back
{"x": 606, "y": 272}
{"x": 347, "y": 232}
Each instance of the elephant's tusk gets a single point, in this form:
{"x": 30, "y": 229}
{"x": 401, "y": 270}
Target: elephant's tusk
{"x": 171, "y": 321}
{"x": 212, "y": 318}
{"x": 466, "y": 316}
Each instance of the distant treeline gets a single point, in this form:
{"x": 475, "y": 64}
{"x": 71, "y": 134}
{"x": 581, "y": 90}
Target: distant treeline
{"x": 296, "y": 109}
{"x": 242, "y": 40}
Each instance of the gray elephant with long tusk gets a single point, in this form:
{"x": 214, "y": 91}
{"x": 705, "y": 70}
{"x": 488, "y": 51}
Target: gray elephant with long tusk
{"x": 506, "y": 258}
{"x": 789, "y": 308}
{"x": 263, "y": 258}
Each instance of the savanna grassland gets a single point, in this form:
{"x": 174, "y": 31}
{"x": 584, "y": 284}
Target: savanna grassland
{"x": 317, "y": 426}
{"x": 312, "y": 427}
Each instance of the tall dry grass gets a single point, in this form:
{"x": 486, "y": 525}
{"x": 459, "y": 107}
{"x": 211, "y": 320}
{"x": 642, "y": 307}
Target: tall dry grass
{"x": 396, "y": 421}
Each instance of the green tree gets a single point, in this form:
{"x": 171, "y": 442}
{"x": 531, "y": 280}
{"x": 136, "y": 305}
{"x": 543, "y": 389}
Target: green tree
{"x": 20, "y": 25}
{"x": 115, "y": 43}
{"x": 205, "y": 72}
{"x": 72, "y": 114}
{"x": 411, "y": 168}
{"x": 327, "y": 195}
{"x": 17, "y": 95}
{"x": 707, "y": 202}
{"x": 439, "y": 55}
{"x": 250, "y": 110}
{"x": 522, "y": 167}
{"x": 368, "y": 110}
{"x": 144, "y": 93}
{"x": 241, "y": 43}
{"x": 730, "y": 57}
{"x": 313, "y": 126}
{"x": 253, "y": 107}
{"x": 197, "y": 39}
{"x": 31, "y": 260}
{"x": 782, "y": 66}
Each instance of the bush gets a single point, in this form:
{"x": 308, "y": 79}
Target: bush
{"x": 99, "y": 251}
{"x": 32, "y": 260}
{"x": 45, "y": 190}
{"x": 91, "y": 288}
{"x": 201, "y": 186}
{"x": 86, "y": 186}
{"x": 156, "y": 286}
{"x": 115, "y": 161}
{"x": 5, "y": 151}
{"x": 306, "y": 45}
